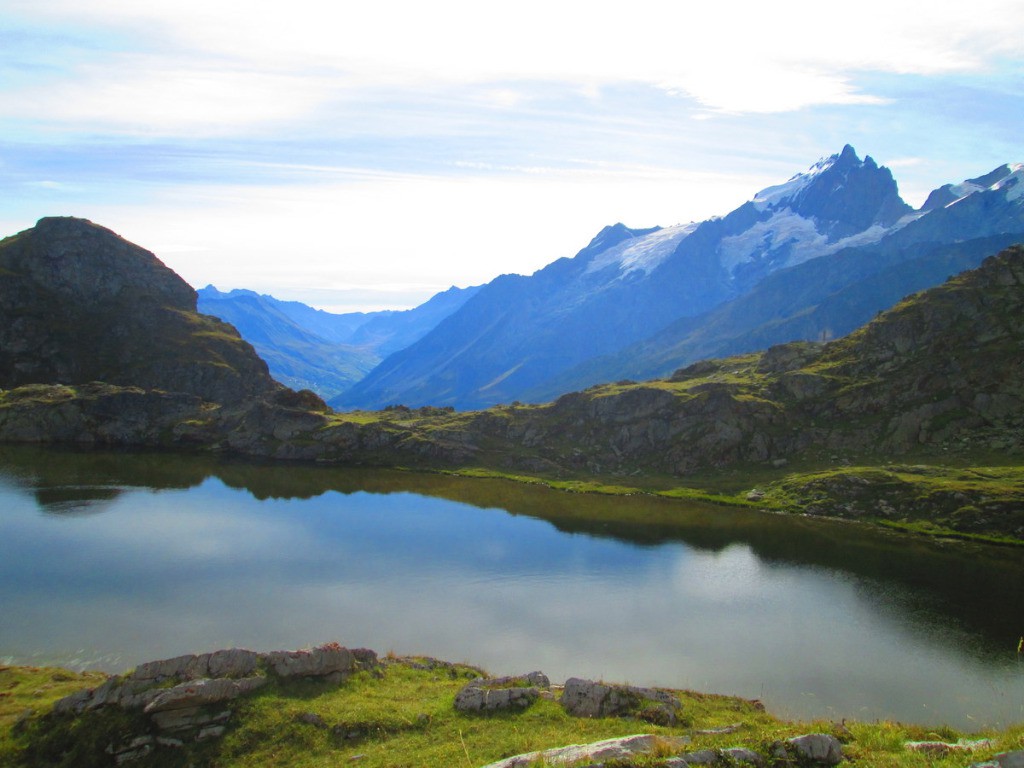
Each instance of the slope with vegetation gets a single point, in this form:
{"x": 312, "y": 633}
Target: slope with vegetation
{"x": 402, "y": 711}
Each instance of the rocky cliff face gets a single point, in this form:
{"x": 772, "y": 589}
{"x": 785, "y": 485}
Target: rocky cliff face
{"x": 79, "y": 304}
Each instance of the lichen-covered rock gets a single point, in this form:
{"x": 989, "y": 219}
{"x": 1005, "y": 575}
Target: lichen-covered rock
{"x": 200, "y": 693}
{"x": 810, "y": 749}
{"x": 621, "y": 748}
{"x": 501, "y": 693}
{"x": 1004, "y": 760}
{"x": 587, "y": 698}
{"x": 316, "y": 662}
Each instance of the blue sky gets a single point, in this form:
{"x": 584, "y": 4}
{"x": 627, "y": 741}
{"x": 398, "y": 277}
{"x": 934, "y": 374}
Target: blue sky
{"x": 367, "y": 155}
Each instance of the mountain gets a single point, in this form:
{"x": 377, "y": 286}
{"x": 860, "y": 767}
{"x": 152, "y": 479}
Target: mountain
{"x": 836, "y": 243}
{"x": 295, "y": 356}
{"x": 79, "y": 304}
{"x": 309, "y": 348}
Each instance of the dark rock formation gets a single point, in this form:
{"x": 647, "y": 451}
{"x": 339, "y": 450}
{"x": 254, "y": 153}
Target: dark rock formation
{"x": 79, "y": 304}
{"x": 189, "y": 698}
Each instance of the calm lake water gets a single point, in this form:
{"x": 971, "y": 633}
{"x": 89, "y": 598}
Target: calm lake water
{"x": 108, "y": 560}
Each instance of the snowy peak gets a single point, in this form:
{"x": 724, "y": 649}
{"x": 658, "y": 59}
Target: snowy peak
{"x": 843, "y": 194}
{"x": 643, "y": 253}
{"x": 1008, "y": 177}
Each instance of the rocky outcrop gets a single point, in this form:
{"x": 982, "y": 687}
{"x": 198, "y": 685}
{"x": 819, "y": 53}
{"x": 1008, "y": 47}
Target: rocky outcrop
{"x": 813, "y": 750}
{"x": 501, "y": 693}
{"x": 621, "y": 748}
{"x": 190, "y": 698}
{"x": 587, "y": 698}
{"x": 79, "y": 304}
{"x": 1004, "y": 760}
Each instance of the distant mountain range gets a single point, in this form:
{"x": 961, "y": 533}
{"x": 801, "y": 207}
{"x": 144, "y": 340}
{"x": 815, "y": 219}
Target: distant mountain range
{"x": 810, "y": 259}
{"x": 309, "y": 348}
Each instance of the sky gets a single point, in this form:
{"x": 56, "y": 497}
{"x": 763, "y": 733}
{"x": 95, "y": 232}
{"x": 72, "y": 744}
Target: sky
{"x": 361, "y": 156}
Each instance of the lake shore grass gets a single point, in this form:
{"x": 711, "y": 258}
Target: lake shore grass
{"x": 932, "y": 500}
{"x": 402, "y": 714}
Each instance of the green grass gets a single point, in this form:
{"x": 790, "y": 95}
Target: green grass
{"x": 403, "y": 715}
{"x": 27, "y": 692}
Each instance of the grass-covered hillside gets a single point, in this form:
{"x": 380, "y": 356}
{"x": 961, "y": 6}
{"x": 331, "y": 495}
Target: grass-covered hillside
{"x": 402, "y": 712}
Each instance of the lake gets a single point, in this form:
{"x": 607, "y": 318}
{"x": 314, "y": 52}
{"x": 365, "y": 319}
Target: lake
{"x": 111, "y": 559}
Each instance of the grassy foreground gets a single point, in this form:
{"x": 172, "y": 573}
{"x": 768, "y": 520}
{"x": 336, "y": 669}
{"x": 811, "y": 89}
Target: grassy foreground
{"x": 403, "y": 715}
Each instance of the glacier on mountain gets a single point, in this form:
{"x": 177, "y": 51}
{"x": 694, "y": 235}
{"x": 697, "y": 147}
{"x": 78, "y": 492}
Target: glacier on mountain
{"x": 644, "y": 253}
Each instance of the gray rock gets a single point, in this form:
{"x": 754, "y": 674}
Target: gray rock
{"x": 701, "y": 757}
{"x": 815, "y": 748}
{"x": 199, "y": 693}
{"x": 743, "y": 755}
{"x": 1013, "y": 759}
{"x": 586, "y": 698}
{"x": 234, "y": 662}
{"x": 163, "y": 669}
{"x": 501, "y": 693}
{"x": 187, "y": 719}
{"x": 944, "y": 748}
{"x": 609, "y": 749}
{"x": 210, "y": 732}
{"x": 317, "y": 662}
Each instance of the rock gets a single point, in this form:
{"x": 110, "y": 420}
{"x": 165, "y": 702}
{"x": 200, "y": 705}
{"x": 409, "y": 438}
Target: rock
{"x": 210, "y": 732}
{"x": 317, "y": 662}
{"x": 731, "y": 756}
{"x": 1004, "y": 760}
{"x": 813, "y": 748}
{"x": 610, "y": 749}
{"x": 702, "y": 757}
{"x": 187, "y": 719}
{"x": 124, "y": 319}
{"x": 742, "y": 755}
{"x": 586, "y": 698}
{"x": 235, "y": 662}
{"x": 944, "y": 748}
{"x": 311, "y": 718}
{"x": 200, "y": 693}
{"x": 501, "y": 693}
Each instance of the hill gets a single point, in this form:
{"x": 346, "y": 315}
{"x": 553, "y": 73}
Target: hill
{"x": 80, "y": 304}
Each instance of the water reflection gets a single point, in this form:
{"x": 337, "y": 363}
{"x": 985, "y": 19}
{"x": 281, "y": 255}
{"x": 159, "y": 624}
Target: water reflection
{"x": 191, "y": 554}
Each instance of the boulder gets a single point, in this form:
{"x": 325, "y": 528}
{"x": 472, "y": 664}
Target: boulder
{"x": 731, "y": 756}
{"x": 1013, "y": 759}
{"x": 621, "y": 748}
{"x": 501, "y": 693}
{"x": 587, "y": 698}
{"x": 200, "y": 693}
{"x": 812, "y": 748}
{"x": 316, "y": 662}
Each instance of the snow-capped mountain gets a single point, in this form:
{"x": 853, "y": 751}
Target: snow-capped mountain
{"x": 523, "y": 337}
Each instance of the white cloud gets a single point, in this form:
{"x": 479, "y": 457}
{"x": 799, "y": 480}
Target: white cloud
{"x": 235, "y": 63}
{"x": 421, "y": 233}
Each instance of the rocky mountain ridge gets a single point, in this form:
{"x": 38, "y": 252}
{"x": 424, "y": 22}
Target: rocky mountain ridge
{"x": 307, "y": 348}
{"x": 643, "y": 302}
{"x": 80, "y": 304}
